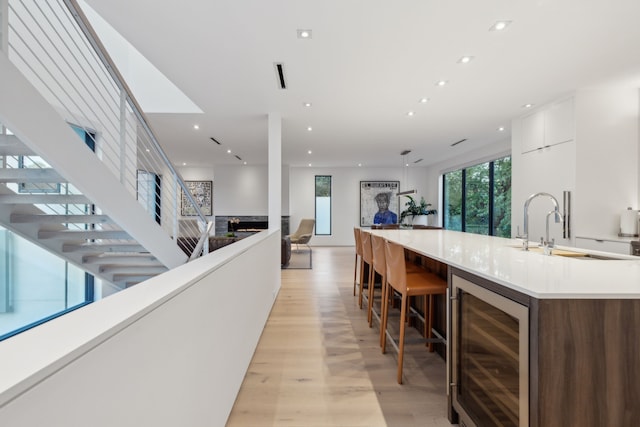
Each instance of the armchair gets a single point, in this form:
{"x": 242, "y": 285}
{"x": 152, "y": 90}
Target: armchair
{"x": 304, "y": 233}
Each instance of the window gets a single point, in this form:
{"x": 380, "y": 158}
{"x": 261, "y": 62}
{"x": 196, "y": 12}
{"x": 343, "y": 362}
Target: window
{"x": 36, "y": 286}
{"x": 502, "y": 197}
{"x": 323, "y": 205}
{"x": 149, "y": 193}
{"x": 477, "y": 199}
{"x": 453, "y": 200}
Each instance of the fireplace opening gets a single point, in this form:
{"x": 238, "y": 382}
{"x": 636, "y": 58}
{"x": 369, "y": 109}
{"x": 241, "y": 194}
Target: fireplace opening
{"x": 247, "y": 226}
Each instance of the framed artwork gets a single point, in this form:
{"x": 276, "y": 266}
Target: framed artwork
{"x": 378, "y": 202}
{"x": 202, "y": 192}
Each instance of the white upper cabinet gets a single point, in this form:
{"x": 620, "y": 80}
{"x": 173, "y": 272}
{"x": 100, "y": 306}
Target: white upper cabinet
{"x": 560, "y": 122}
{"x": 533, "y": 131}
{"x": 549, "y": 126}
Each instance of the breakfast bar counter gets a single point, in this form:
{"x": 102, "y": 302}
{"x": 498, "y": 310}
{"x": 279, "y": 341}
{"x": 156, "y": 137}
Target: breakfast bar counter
{"x": 503, "y": 261}
{"x": 536, "y": 340}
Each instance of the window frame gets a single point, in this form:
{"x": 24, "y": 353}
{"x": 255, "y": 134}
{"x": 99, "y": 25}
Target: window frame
{"x": 463, "y": 191}
{"x": 315, "y": 202}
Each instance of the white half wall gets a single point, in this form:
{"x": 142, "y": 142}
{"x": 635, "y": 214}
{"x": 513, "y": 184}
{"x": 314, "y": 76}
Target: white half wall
{"x": 171, "y": 351}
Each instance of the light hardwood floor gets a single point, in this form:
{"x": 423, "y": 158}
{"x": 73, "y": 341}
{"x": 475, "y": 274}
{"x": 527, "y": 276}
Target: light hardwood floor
{"x": 319, "y": 364}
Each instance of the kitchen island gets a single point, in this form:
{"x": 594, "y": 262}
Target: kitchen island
{"x": 536, "y": 340}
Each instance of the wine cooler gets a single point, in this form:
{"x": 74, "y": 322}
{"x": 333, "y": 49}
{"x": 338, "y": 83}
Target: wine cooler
{"x": 489, "y": 357}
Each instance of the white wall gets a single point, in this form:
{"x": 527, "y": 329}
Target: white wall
{"x": 606, "y": 156}
{"x": 239, "y": 190}
{"x": 345, "y": 203}
{"x": 172, "y": 351}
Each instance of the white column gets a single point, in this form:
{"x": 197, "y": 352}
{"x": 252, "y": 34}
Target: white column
{"x": 275, "y": 170}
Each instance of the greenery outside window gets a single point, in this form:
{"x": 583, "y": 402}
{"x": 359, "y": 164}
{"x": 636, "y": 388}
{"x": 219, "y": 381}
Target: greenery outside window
{"x": 477, "y": 199}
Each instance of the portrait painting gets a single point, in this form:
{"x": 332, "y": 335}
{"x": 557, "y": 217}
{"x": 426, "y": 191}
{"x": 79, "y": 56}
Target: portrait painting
{"x": 378, "y": 202}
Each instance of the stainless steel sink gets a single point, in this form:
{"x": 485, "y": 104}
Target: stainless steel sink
{"x": 576, "y": 254}
{"x": 589, "y": 257}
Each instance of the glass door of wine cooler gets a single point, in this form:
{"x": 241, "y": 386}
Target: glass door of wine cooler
{"x": 490, "y": 357}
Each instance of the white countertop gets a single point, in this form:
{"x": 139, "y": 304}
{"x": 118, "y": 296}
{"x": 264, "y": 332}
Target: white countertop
{"x": 540, "y": 276}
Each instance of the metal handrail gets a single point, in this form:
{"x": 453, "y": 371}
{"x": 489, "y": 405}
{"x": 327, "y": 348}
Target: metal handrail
{"x": 100, "y": 50}
{"x": 203, "y": 242}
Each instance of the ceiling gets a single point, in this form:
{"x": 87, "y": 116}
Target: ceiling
{"x": 367, "y": 64}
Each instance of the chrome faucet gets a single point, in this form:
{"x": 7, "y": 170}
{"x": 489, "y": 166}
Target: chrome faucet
{"x": 556, "y": 210}
{"x": 546, "y": 244}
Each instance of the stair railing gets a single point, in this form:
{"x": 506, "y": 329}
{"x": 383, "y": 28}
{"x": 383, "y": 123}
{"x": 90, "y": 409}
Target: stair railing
{"x": 55, "y": 47}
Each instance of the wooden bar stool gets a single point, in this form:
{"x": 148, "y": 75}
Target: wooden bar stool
{"x": 380, "y": 267}
{"x": 367, "y": 258}
{"x": 407, "y": 285}
{"x": 356, "y": 234}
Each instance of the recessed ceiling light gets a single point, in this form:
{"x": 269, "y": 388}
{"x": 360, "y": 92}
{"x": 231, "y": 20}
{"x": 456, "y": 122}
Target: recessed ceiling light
{"x": 184, "y": 164}
{"x": 499, "y": 26}
{"x": 309, "y": 151}
{"x": 501, "y": 129}
{"x": 309, "y": 128}
{"x": 465, "y": 59}
{"x": 307, "y": 104}
{"x": 229, "y": 151}
{"x": 304, "y": 34}
{"x": 410, "y": 113}
{"x": 148, "y": 150}
{"x": 424, "y": 100}
{"x": 442, "y": 82}
{"x": 196, "y": 127}
{"x": 406, "y": 164}
{"x": 309, "y": 164}
{"x": 244, "y": 163}
{"x": 527, "y": 105}
{"x": 359, "y": 165}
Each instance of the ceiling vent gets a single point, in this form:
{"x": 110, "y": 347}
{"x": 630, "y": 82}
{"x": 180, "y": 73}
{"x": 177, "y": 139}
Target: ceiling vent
{"x": 405, "y": 152}
{"x": 238, "y": 157}
{"x": 282, "y": 84}
{"x": 215, "y": 140}
{"x": 418, "y": 161}
{"x": 458, "y": 142}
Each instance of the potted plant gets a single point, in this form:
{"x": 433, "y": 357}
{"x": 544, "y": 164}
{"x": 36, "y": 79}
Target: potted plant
{"x": 415, "y": 211}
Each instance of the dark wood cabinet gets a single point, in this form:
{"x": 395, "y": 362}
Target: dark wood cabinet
{"x": 568, "y": 362}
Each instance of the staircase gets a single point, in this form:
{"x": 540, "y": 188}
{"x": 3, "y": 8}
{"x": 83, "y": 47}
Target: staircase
{"x": 40, "y": 205}
{"x": 109, "y": 205}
